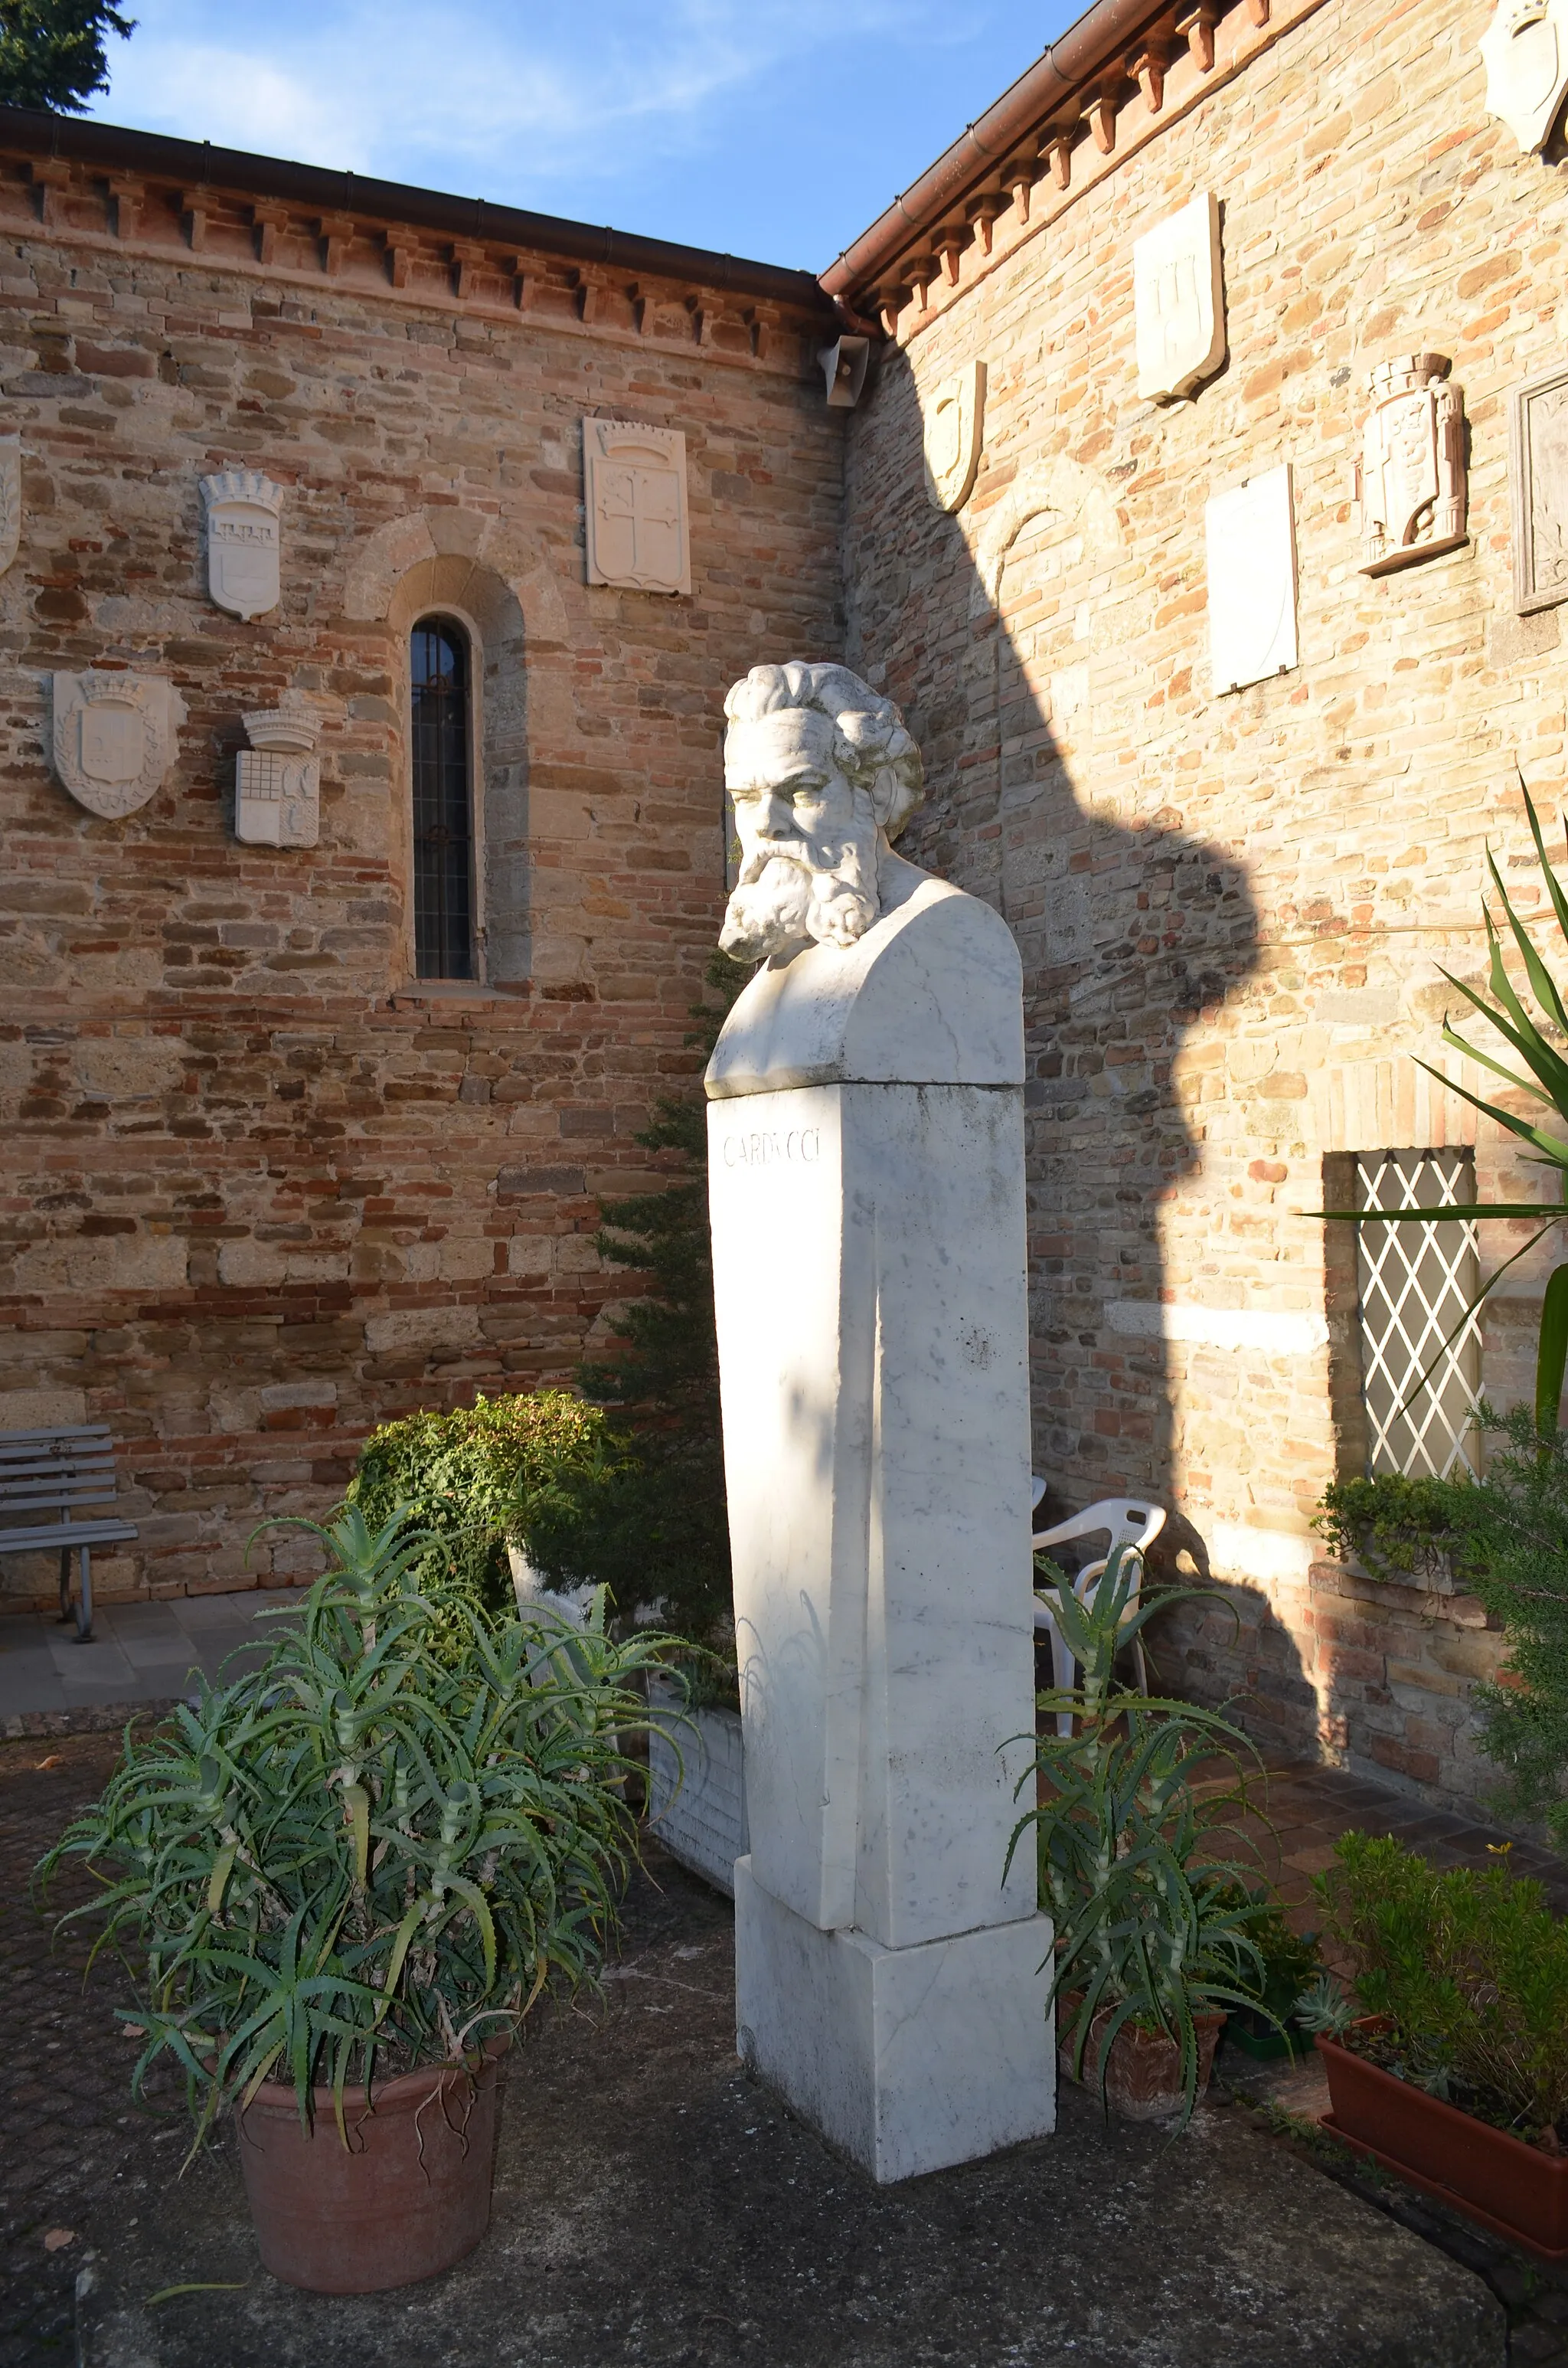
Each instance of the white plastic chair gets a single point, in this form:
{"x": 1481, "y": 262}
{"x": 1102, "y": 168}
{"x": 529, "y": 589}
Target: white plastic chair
{"x": 1127, "y": 1522}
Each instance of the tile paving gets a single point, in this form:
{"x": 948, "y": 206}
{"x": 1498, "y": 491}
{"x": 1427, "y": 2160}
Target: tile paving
{"x": 141, "y": 1653}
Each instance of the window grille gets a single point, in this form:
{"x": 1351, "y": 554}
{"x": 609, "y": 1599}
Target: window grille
{"x": 1415, "y": 1283}
{"x": 443, "y": 822}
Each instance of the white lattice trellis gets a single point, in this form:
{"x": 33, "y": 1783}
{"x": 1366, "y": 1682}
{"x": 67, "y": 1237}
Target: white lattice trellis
{"x": 1415, "y": 1283}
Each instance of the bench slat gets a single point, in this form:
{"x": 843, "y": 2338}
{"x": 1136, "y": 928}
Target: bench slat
{"x": 67, "y": 1534}
{"x": 59, "y": 1491}
{"x": 36, "y": 1443}
{"x": 19, "y": 1508}
{"x": 50, "y": 1476}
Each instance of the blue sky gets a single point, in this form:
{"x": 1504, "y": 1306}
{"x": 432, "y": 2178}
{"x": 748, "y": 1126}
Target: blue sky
{"x": 774, "y": 129}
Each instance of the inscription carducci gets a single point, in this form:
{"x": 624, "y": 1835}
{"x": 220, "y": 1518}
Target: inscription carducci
{"x": 772, "y": 1147}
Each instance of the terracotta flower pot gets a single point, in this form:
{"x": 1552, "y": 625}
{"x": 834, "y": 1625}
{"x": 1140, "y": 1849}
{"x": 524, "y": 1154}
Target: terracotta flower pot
{"x": 1143, "y": 2078}
{"x": 1509, "y": 2187}
{"x": 408, "y": 2196}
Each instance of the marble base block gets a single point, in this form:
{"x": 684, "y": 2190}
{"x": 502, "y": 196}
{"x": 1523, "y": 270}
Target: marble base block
{"x": 908, "y": 2060}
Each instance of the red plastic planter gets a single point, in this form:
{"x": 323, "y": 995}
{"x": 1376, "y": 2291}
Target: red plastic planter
{"x": 408, "y": 2196}
{"x": 1509, "y": 2187}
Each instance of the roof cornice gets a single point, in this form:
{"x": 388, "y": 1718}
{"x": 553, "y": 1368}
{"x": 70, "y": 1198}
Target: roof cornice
{"x": 195, "y": 165}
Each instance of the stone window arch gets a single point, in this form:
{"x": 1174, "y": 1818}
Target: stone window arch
{"x": 439, "y": 564}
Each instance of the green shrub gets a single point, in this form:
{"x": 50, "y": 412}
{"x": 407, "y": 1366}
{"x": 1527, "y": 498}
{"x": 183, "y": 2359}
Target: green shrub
{"x": 364, "y": 1855}
{"x": 528, "y": 1470}
{"x": 1397, "y": 1528}
{"x": 1289, "y": 1961}
{"x": 1470, "y": 1970}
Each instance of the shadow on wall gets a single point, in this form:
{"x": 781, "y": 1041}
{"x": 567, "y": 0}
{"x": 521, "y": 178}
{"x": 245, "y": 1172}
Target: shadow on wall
{"x": 1012, "y": 640}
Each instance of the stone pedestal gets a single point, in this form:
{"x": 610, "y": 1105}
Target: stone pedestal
{"x": 865, "y": 1156}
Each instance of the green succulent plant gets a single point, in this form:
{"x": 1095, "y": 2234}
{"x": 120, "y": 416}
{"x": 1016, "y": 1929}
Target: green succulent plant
{"x": 363, "y": 1854}
{"x": 1143, "y": 1859}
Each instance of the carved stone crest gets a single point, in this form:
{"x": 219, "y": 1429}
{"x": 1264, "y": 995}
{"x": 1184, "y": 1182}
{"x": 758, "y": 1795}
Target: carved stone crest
{"x": 955, "y": 427}
{"x": 635, "y": 485}
{"x": 277, "y": 777}
{"x": 114, "y": 738}
{"x": 1525, "y": 54}
{"x": 1178, "y": 297}
{"x": 243, "y": 540}
{"x": 1412, "y": 478}
{"x": 10, "y": 499}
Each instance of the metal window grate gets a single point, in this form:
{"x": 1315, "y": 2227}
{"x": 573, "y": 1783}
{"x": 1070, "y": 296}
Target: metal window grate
{"x": 443, "y": 932}
{"x": 1415, "y": 1283}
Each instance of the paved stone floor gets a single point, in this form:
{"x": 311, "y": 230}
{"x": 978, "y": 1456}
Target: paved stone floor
{"x": 140, "y": 1653}
{"x": 654, "y": 2206}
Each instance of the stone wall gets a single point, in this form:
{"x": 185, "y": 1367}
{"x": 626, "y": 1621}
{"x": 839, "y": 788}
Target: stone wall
{"x": 1233, "y": 910}
{"x": 262, "y": 1191}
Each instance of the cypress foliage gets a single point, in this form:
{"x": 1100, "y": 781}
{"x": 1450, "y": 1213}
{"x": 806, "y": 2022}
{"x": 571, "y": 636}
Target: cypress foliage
{"x": 52, "y": 51}
{"x": 659, "y": 1533}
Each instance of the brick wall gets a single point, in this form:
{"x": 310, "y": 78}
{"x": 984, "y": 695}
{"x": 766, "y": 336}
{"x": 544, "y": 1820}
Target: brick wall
{"x": 1232, "y": 910}
{"x": 259, "y": 1193}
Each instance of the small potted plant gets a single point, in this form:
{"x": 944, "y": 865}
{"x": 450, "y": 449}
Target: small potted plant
{"x": 342, "y": 1880}
{"x": 1137, "y": 1867}
{"x": 1449, "y": 2063}
{"x": 1290, "y": 1963}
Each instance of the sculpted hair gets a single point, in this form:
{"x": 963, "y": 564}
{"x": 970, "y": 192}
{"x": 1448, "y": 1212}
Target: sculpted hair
{"x": 870, "y": 742}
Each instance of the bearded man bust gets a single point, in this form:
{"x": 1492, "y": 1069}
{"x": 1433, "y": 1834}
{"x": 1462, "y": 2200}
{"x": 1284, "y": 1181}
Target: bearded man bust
{"x": 822, "y": 777}
{"x": 867, "y": 1188}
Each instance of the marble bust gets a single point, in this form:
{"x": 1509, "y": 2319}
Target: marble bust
{"x": 865, "y": 1129}
{"x": 824, "y": 777}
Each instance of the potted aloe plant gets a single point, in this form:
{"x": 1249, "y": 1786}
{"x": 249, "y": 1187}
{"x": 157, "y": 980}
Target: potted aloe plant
{"x": 1449, "y": 2063}
{"x": 342, "y": 1880}
{"x": 1138, "y": 1867}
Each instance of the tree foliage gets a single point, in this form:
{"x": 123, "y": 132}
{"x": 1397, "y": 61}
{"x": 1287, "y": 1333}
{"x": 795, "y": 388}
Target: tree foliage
{"x": 660, "y": 1531}
{"x": 52, "y": 51}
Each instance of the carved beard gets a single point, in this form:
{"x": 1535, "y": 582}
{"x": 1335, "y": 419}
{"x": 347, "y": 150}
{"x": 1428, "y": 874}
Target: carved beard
{"x": 782, "y": 902}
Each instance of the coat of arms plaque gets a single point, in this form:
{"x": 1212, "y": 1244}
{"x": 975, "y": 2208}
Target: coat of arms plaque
{"x": 243, "y": 540}
{"x": 1411, "y": 480}
{"x": 954, "y": 432}
{"x": 114, "y": 738}
{"x": 277, "y": 777}
{"x": 1525, "y": 50}
{"x": 638, "y": 534}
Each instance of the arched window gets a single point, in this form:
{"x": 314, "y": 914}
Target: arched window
{"x": 443, "y": 799}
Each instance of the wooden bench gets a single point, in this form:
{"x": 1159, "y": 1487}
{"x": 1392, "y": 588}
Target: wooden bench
{"x": 56, "y": 1470}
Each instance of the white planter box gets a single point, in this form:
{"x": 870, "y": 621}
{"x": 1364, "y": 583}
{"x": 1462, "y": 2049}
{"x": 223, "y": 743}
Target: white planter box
{"x": 698, "y": 1800}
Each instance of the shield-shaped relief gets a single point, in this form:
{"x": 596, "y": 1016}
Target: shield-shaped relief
{"x": 10, "y": 499}
{"x": 1412, "y": 480}
{"x": 955, "y": 422}
{"x": 114, "y": 738}
{"x": 243, "y": 540}
{"x": 277, "y": 777}
{"x": 637, "y": 528}
{"x": 1178, "y": 299}
{"x": 1525, "y": 54}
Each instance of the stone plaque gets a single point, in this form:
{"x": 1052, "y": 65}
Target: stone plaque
{"x": 10, "y": 499}
{"x": 1525, "y": 54}
{"x": 1539, "y": 472}
{"x": 114, "y": 738}
{"x": 954, "y": 433}
{"x": 277, "y": 777}
{"x": 635, "y": 492}
{"x": 1411, "y": 480}
{"x": 243, "y": 540}
{"x": 1178, "y": 299}
{"x": 1252, "y": 581}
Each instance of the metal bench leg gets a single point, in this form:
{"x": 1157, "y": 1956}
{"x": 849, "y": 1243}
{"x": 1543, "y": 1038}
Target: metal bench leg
{"x": 84, "y": 1613}
{"x": 67, "y": 1609}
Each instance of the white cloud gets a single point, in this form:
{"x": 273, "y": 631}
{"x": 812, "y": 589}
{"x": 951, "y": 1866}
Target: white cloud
{"x": 529, "y": 102}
